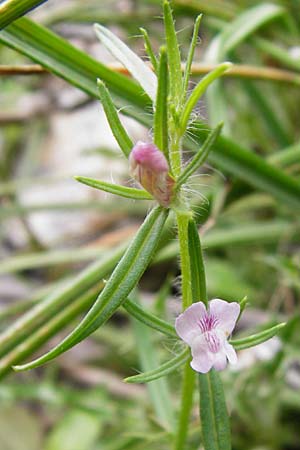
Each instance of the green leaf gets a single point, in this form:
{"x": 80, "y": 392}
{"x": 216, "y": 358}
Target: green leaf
{"x": 38, "y": 335}
{"x": 115, "y": 124}
{"x": 152, "y": 321}
{"x": 174, "y": 58}
{"x": 161, "y": 106}
{"x": 123, "y": 191}
{"x": 165, "y": 369}
{"x": 200, "y": 156}
{"x": 199, "y": 90}
{"x": 133, "y": 63}
{"x": 124, "y": 278}
{"x": 188, "y": 65}
{"x": 247, "y": 23}
{"x": 158, "y": 390}
{"x": 213, "y": 413}
{"x": 11, "y": 10}
{"x": 197, "y": 264}
{"x": 232, "y": 158}
{"x": 70, "y": 63}
{"x": 149, "y": 50}
{"x": 257, "y": 338}
{"x": 233, "y": 34}
{"x": 57, "y": 300}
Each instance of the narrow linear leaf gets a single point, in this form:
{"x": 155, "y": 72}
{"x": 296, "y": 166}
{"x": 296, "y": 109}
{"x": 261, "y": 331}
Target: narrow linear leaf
{"x": 68, "y": 62}
{"x": 124, "y": 278}
{"x": 165, "y": 369}
{"x": 58, "y": 299}
{"x": 112, "y": 116}
{"x": 199, "y": 90}
{"x": 197, "y": 264}
{"x": 152, "y": 321}
{"x": 247, "y": 23}
{"x": 159, "y": 391}
{"x": 133, "y": 63}
{"x": 188, "y": 65}
{"x": 257, "y": 338}
{"x": 231, "y": 36}
{"x": 161, "y": 108}
{"x": 174, "y": 58}
{"x": 201, "y": 156}
{"x": 123, "y": 191}
{"x": 11, "y": 10}
{"x": 149, "y": 50}
{"x": 231, "y": 157}
{"x": 50, "y": 328}
{"x": 213, "y": 412}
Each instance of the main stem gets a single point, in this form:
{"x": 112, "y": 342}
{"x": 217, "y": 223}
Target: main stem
{"x": 188, "y": 382}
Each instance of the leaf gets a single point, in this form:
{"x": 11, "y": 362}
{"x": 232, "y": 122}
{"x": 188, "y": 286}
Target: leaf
{"x": 188, "y": 65}
{"x": 231, "y": 157}
{"x": 233, "y": 34}
{"x": 213, "y": 413}
{"x": 57, "y": 300}
{"x": 161, "y": 106}
{"x": 11, "y": 10}
{"x": 124, "y": 278}
{"x": 200, "y": 156}
{"x": 123, "y": 191}
{"x": 263, "y": 233}
{"x": 247, "y": 23}
{"x": 136, "y": 311}
{"x": 115, "y": 124}
{"x": 199, "y": 90}
{"x": 45, "y": 331}
{"x": 133, "y": 63}
{"x": 70, "y": 63}
{"x": 159, "y": 392}
{"x": 196, "y": 264}
{"x": 149, "y": 50}
{"x": 257, "y": 338}
{"x": 174, "y": 58}
{"x": 165, "y": 369}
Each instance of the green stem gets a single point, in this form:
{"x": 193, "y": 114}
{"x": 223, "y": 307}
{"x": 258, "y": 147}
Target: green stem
{"x": 183, "y": 218}
{"x": 187, "y": 391}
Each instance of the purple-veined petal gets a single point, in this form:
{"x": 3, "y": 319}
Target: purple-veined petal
{"x": 226, "y": 313}
{"x": 187, "y": 324}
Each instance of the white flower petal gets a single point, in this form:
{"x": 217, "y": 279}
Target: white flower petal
{"x": 226, "y": 313}
{"x": 186, "y": 324}
{"x": 230, "y": 353}
{"x": 220, "y": 360}
{"x": 202, "y": 359}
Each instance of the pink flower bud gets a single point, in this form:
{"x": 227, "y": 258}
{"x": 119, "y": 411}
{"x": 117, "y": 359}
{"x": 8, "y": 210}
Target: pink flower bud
{"x": 150, "y": 168}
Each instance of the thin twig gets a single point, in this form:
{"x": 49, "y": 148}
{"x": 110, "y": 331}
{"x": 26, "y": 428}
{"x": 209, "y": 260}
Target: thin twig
{"x": 236, "y": 70}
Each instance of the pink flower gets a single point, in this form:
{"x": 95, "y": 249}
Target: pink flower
{"x": 206, "y": 332}
{"x": 150, "y": 168}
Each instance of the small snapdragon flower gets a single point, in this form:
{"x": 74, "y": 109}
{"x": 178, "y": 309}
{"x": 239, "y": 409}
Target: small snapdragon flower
{"x": 206, "y": 331}
{"x": 149, "y": 166}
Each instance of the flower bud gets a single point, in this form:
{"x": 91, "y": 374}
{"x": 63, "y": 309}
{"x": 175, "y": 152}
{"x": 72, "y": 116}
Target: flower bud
{"x": 150, "y": 168}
